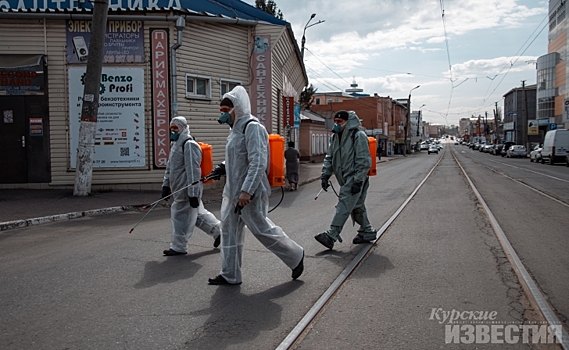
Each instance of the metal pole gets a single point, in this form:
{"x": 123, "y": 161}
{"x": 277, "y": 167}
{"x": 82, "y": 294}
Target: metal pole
{"x": 407, "y": 121}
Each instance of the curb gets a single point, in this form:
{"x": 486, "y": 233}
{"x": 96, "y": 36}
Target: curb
{"x": 4, "y": 226}
{"x": 60, "y": 217}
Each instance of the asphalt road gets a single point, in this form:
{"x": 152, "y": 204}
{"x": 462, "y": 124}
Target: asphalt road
{"x": 88, "y": 284}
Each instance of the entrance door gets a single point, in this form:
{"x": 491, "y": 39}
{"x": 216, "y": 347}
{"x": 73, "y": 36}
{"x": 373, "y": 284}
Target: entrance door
{"x": 13, "y": 140}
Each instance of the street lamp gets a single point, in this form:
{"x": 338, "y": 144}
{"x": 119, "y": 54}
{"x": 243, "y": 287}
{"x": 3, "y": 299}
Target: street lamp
{"x": 408, "y": 117}
{"x": 419, "y": 117}
{"x": 304, "y": 32}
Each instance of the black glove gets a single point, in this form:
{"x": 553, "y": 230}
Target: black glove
{"x": 325, "y": 182}
{"x": 194, "y": 202}
{"x": 166, "y": 192}
{"x": 217, "y": 172}
{"x": 356, "y": 187}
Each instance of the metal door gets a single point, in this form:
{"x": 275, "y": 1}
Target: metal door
{"x": 13, "y": 140}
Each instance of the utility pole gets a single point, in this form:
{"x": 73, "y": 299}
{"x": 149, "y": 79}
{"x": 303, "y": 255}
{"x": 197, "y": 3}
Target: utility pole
{"x": 90, "y": 107}
{"x": 496, "y": 136}
{"x": 525, "y": 114}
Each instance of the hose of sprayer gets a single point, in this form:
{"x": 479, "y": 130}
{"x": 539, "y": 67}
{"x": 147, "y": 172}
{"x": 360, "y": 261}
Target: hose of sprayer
{"x": 282, "y": 196}
{"x": 333, "y": 189}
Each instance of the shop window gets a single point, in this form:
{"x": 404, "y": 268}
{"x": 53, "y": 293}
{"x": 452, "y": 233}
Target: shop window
{"x": 227, "y": 85}
{"x": 198, "y": 86}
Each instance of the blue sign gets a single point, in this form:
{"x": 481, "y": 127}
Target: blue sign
{"x": 82, "y": 4}
{"x": 296, "y": 116}
{"x": 552, "y": 126}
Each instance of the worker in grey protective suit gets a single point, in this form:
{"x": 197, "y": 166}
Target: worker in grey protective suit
{"x": 187, "y": 210}
{"x": 349, "y": 159}
{"x": 246, "y": 192}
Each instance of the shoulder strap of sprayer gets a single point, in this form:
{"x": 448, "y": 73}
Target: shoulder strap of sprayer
{"x": 245, "y": 126}
{"x": 268, "y": 154}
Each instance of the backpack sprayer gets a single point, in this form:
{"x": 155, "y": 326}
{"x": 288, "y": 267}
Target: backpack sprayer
{"x": 275, "y": 172}
{"x": 206, "y": 166}
{"x": 372, "y": 142}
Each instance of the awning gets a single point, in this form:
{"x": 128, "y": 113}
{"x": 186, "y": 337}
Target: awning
{"x": 8, "y": 61}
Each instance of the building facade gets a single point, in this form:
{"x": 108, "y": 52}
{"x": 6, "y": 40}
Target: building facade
{"x": 520, "y": 116}
{"x": 552, "y": 107}
{"x": 161, "y": 59}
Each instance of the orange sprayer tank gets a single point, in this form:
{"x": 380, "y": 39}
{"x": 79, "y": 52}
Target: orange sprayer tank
{"x": 207, "y": 160}
{"x": 276, "y": 172}
{"x": 373, "y": 152}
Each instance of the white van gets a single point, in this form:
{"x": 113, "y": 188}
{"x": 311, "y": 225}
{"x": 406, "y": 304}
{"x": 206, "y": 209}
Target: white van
{"x": 555, "y": 146}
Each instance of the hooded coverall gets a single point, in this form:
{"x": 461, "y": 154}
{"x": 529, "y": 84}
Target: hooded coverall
{"x": 246, "y": 154}
{"x": 349, "y": 159}
{"x": 182, "y": 169}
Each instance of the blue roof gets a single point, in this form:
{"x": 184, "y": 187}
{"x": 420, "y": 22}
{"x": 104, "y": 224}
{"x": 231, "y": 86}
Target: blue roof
{"x": 217, "y": 8}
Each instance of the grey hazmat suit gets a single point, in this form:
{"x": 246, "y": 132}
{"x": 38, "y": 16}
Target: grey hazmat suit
{"x": 349, "y": 159}
{"x": 182, "y": 169}
{"x": 246, "y": 155}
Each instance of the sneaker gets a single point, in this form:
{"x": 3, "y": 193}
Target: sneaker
{"x": 325, "y": 240}
{"x": 217, "y": 241}
{"x": 171, "y": 252}
{"x": 219, "y": 279}
{"x": 297, "y": 271}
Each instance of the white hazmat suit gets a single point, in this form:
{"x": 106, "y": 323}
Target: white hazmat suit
{"x": 182, "y": 169}
{"x": 246, "y": 155}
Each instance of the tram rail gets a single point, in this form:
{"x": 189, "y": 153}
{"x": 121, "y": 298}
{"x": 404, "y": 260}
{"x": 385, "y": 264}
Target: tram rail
{"x": 531, "y": 288}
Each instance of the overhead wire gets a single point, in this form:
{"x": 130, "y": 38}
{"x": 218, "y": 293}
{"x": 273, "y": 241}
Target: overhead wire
{"x": 445, "y": 115}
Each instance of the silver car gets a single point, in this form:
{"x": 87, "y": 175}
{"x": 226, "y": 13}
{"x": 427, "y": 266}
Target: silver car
{"x": 518, "y": 151}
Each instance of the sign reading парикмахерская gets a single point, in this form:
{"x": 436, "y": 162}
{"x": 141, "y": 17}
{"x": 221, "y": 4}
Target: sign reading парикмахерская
{"x": 81, "y": 4}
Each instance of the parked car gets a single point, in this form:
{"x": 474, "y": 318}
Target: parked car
{"x": 535, "y": 154}
{"x": 518, "y": 151}
{"x": 555, "y": 146}
{"x": 505, "y": 148}
{"x": 424, "y": 146}
{"x": 497, "y": 150}
{"x": 433, "y": 149}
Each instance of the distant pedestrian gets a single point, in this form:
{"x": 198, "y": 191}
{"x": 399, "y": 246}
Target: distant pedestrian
{"x": 292, "y": 157}
{"x": 187, "y": 211}
{"x": 379, "y": 149}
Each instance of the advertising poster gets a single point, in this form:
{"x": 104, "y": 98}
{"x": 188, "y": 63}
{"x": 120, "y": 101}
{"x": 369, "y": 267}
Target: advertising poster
{"x": 120, "y": 138}
{"x": 124, "y": 41}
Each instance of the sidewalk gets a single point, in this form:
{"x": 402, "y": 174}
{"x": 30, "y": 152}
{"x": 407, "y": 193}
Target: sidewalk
{"x": 25, "y": 207}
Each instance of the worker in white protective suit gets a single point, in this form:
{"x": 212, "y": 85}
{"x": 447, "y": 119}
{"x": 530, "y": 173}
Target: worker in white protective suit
{"x": 187, "y": 210}
{"x": 246, "y": 192}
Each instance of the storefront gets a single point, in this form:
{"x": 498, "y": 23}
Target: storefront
{"x": 160, "y": 60}
{"x": 24, "y": 131}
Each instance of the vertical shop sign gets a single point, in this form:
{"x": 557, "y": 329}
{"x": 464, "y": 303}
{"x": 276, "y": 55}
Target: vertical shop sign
{"x": 261, "y": 87}
{"x": 160, "y": 101}
{"x": 288, "y": 111}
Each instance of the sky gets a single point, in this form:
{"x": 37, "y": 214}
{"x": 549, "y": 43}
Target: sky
{"x": 464, "y": 54}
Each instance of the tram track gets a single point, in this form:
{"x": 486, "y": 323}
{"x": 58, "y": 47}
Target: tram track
{"x": 295, "y": 337}
{"x": 529, "y": 285}
{"x": 523, "y": 183}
